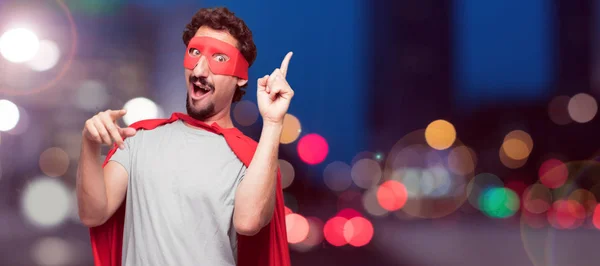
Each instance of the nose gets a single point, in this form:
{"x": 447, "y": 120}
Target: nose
{"x": 201, "y": 69}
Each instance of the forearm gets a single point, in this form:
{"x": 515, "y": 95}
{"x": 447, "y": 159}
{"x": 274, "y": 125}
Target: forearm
{"x": 255, "y": 197}
{"x": 91, "y": 188}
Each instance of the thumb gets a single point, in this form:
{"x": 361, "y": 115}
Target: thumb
{"x": 127, "y": 132}
{"x": 263, "y": 81}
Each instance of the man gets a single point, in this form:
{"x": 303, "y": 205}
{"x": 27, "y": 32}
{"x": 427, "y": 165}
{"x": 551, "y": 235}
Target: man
{"x": 192, "y": 189}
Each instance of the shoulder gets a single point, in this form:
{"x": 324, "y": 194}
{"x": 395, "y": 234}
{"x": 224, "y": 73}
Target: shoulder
{"x": 243, "y": 146}
{"x": 149, "y": 126}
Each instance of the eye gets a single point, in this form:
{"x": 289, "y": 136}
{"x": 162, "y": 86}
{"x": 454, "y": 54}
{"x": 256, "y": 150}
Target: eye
{"x": 220, "y": 58}
{"x": 194, "y": 52}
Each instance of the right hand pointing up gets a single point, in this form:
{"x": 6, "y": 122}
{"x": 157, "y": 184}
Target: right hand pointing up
{"x": 103, "y": 128}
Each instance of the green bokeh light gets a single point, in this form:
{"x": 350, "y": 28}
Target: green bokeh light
{"x": 499, "y": 202}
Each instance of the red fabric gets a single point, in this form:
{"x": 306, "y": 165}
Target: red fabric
{"x": 267, "y": 248}
{"x": 236, "y": 65}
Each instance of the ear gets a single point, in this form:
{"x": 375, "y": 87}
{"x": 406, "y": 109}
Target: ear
{"x": 241, "y": 82}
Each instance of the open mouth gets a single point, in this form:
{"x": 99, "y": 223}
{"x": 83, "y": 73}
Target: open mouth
{"x": 198, "y": 90}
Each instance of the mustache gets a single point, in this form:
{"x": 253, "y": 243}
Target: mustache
{"x": 202, "y": 81}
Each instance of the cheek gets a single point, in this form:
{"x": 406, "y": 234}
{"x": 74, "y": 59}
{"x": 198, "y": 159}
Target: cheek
{"x": 187, "y": 73}
{"x": 226, "y": 85}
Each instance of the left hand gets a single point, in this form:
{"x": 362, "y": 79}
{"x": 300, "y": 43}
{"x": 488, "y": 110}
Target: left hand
{"x": 274, "y": 93}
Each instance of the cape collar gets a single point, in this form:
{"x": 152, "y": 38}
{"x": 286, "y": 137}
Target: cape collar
{"x": 213, "y": 127}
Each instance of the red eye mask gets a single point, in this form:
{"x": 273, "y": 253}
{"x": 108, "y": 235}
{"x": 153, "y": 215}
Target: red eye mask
{"x": 223, "y": 58}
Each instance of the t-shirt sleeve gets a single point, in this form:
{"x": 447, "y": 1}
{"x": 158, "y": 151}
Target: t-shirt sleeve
{"x": 242, "y": 173}
{"x": 123, "y": 157}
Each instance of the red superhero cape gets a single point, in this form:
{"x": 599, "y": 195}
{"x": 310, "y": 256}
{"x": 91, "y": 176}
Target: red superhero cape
{"x": 267, "y": 248}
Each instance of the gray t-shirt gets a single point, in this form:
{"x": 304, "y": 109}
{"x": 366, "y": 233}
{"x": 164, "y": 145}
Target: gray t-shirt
{"x": 180, "y": 197}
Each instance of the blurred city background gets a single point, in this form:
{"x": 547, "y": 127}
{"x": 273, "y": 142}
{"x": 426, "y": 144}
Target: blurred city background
{"x": 422, "y": 132}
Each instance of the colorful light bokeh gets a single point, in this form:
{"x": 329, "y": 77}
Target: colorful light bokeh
{"x": 313, "y": 149}
{"x": 499, "y": 202}
{"x": 392, "y": 195}
{"x": 297, "y": 228}
{"x": 440, "y": 134}
{"x": 553, "y": 173}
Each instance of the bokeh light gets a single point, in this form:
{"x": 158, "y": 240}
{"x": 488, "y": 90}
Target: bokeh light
{"x": 366, "y": 173}
{"x": 553, "y": 173}
{"x": 245, "y": 112}
{"x": 19, "y": 45}
{"x": 582, "y": 108}
{"x": 510, "y": 162}
{"x": 435, "y": 182}
{"x": 45, "y": 202}
{"x": 537, "y": 199}
{"x": 313, "y": 149}
{"x": 46, "y": 57}
{"x": 348, "y": 213}
{"x": 479, "y": 185}
{"x": 297, "y": 228}
{"x": 287, "y": 173}
{"x": 517, "y": 145}
{"x": 23, "y": 123}
{"x": 333, "y": 231}
{"x": 498, "y": 202}
{"x": 596, "y": 217}
{"x": 140, "y": 109}
{"x": 91, "y": 96}
{"x": 462, "y": 160}
{"x": 440, "y": 134}
{"x": 291, "y": 129}
{"x": 54, "y": 162}
{"x": 314, "y": 238}
{"x": 52, "y": 251}
{"x": 371, "y": 204}
{"x": 558, "y": 110}
{"x": 9, "y": 115}
{"x": 392, "y": 195}
{"x": 337, "y": 176}
{"x": 586, "y": 199}
{"x": 566, "y": 214}
{"x": 358, "y": 231}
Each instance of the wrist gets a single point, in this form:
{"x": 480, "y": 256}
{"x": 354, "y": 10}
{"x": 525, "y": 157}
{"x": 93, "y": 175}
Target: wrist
{"x": 90, "y": 146}
{"x": 273, "y": 126}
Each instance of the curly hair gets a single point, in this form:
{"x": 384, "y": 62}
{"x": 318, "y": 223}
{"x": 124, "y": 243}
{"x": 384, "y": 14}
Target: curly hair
{"x": 222, "y": 18}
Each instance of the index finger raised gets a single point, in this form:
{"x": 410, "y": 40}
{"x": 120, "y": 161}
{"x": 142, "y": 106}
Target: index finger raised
{"x": 116, "y": 114}
{"x": 285, "y": 63}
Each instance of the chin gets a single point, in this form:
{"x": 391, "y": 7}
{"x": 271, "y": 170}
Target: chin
{"x": 199, "y": 110}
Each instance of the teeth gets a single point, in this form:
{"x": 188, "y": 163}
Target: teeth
{"x": 201, "y": 88}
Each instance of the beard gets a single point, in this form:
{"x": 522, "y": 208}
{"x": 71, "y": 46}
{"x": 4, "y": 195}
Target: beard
{"x": 196, "y": 113}
{"x": 206, "y": 112}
